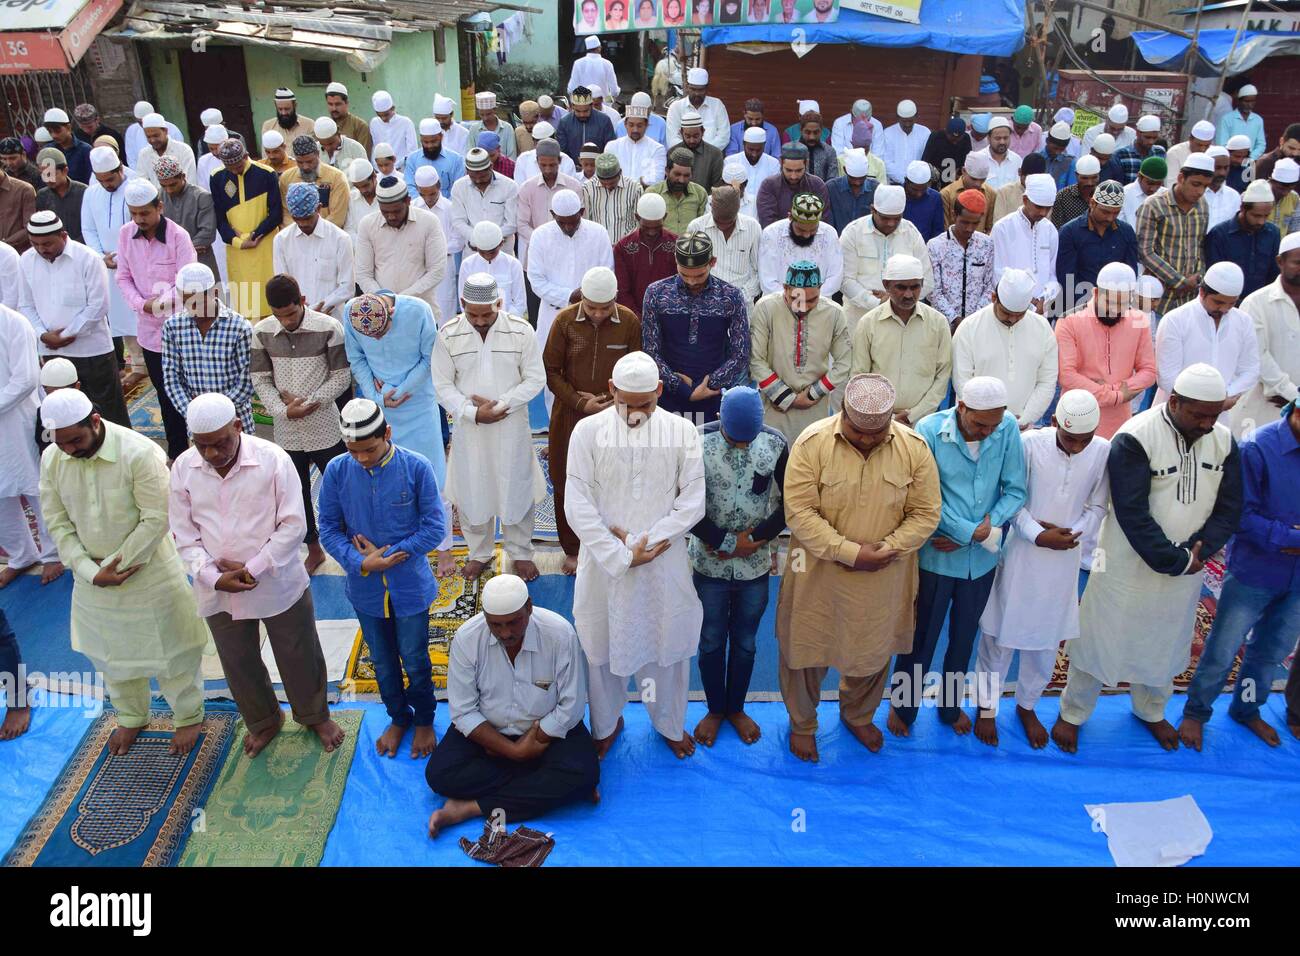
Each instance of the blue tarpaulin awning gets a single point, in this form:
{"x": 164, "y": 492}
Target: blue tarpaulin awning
{"x": 1213, "y": 46}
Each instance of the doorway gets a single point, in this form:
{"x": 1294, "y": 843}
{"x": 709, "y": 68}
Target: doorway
{"x": 217, "y": 78}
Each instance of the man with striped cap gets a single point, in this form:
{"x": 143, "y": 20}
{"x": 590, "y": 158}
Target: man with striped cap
{"x": 485, "y": 104}
{"x": 286, "y": 120}
{"x": 483, "y": 194}
{"x": 802, "y": 235}
{"x": 706, "y": 168}
{"x": 609, "y": 198}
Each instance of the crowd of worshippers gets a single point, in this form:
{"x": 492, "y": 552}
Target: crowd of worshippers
{"x": 954, "y": 399}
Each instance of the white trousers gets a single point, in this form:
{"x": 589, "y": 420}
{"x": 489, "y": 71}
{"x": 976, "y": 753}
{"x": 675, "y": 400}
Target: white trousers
{"x": 16, "y": 534}
{"x": 1035, "y": 672}
{"x": 1082, "y": 691}
{"x": 663, "y": 690}
{"x": 481, "y": 539}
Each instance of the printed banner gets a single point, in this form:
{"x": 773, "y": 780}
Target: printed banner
{"x": 909, "y": 11}
{"x": 620, "y": 16}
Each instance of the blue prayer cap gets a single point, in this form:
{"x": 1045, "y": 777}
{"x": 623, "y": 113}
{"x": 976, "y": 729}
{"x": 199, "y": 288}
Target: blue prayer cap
{"x": 803, "y": 274}
{"x": 489, "y": 140}
{"x": 302, "y": 199}
{"x": 742, "y": 413}
{"x": 980, "y": 122}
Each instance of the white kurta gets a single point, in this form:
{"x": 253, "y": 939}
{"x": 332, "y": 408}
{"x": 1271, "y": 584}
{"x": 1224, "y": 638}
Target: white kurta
{"x": 8, "y": 275}
{"x": 1034, "y": 604}
{"x": 642, "y": 159}
{"x": 776, "y": 251}
{"x": 103, "y": 214}
{"x": 765, "y": 167}
{"x": 177, "y": 150}
{"x": 358, "y": 209}
{"x": 399, "y": 133}
{"x": 1018, "y": 245}
{"x": 20, "y": 472}
{"x": 1002, "y": 173}
{"x": 1223, "y": 205}
{"x": 1023, "y": 357}
{"x": 492, "y": 470}
{"x": 1134, "y": 197}
{"x": 447, "y": 294}
{"x": 321, "y": 262}
{"x": 455, "y": 138}
{"x": 135, "y": 139}
{"x": 526, "y": 166}
{"x": 717, "y": 125}
{"x": 509, "y": 274}
{"x": 1187, "y": 335}
{"x": 557, "y": 263}
{"x": 649, "y": 481}
{"x": 594, "y": 69}
{"x": 1277, "y": 333}
{"x": 1126, "y": 138}
{"x": 898, "y": 148}
{"x": 498, "y": 203}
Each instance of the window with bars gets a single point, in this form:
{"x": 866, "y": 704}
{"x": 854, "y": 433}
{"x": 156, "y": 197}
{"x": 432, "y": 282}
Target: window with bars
{"x": 315, "y": 72}
{"x": 25, "y": 98}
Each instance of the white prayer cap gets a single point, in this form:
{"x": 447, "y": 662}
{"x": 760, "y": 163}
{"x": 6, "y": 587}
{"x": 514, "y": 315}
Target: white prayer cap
{"x": 1064, "y": 115}
{"x": 426, "y": 176}
{"x": 600, "y": 284}
{"x": 142, "y": 109}
{"x": 272, "y": 139}
{"x": 65, "y": 408}
{"x": 1118, "y": 113}
{"x": 1117, "y": 277}
{"x": 443, "y": 105}
{"x": 325, "y": 127}
{"x": 889, "y": 200}
{"x": 755, "y": 134}
{"x": 1203, "y": 130}
{"x": 381, "y": 101}
{"x": 977, "y": 163}
{"x": 359, "y": 170}
{"x": 918, "y": 172}
{"x": 104, "y": 159}
{"x": 545, "y": 102}
{"x": 1258, "y": 191}
{"x": 636, "y": 372}
{"x": 592, "y": 43}
{"x": 58, "y": 373}
{"x": 697, "y": 76}
{"x": 385, "y": 151}
{"x": 641, "y": 99}
{"x": 861, "y": 108}
{"x": 194, "y": 277}
{"x": 1224, "y": 277}
{"x": 44, "y": 222}
{"x": 809, "y": 106}
{"x": 506, "y": 593}
{"x": 999, "y": 122}
{"x": 215, "y": 135}
{"x": 486, "y": 233}
{"x": 906, "y": 109}
{"x": 1247, "y": 90}
{"x": 1290, "y": 243}
{"x": 1060, "y": 132}
{"x": 487, "y": 100}
{"x": 1077, "y": 412}
{"x": 1198, "y": 163}
{"x": 56, "y": 115}
{"x": 899, "y": 267}
{"x": 1199, "y": 382}
{"x": 596, "y": 92}
{"x": 1148, "y": 124}
{"x": 1149, "y": 287}
{"x": 984, "y": 392}
{"x": 154, "y": 121}
{"x": 543, "y": 130}
{"x": 1240, "y": 141}
{"x": 481, "y": 288}
{"x": 855, "y": 163}
{"x": 392, "y": 188}
{"x": 140, "y": 192}
{"x": 42, "y": 135}
{"x": 1087, "y": 165}
{"x": 1215, "y": 151}
{"x": 430, "y": 127}
{"x": 211, "y": 117}
{"x": 360, "y": 419}
{"x": 1104, "y": 144}
{"x": 284, "y": 95}
{"x": 735, "y": 170}
{"x": 1285, "y": 170}
{"x": 1040, "y": 188}
{"x": 208, "y": 412}
{"x": 336, "y": 88}
{"x": 565, "y": 202}
{"x": 651, "y": 206}
{"x": 1015, "y": 290}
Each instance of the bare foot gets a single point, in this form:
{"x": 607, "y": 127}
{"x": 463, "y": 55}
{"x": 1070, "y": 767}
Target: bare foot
{"x": 1034, "y": 728}
{"x": 804, "y": 746}
{"x": 1164, "y": 732}
{"x": 184, "y": 739}
{"x": 681, "y": 748}
{"x": 1066, "y": 735}
{"x": 423, "y": 742}
{"x": 9, "y": 573}
{"x": 745, "y": 726}
{"x": 1191, "y": 732}
{"x": 1294, "y": 728}
{"x": 132, "y": 379}
{"x": 570, "y": 566}
{"x": 390, "y": 740}
{"x": 526, "y": 570}
{"x": 595, "y": 795}
{"x": 986, "y": 730}
{"x": 706, "y": 731}
{"x": 315, "y": 557}
{"x": 254, "y": 744}
{"x": 868, "y": 735}
{"x": 446, "y": 564}
{"x": 120, "y": 740}
{"x": 961, "y": 726}
{"x": 452, "y": 812}
{"x": 50, "y": 571}
{"x": 16, "y": 722}
{"x": 603, "y": 745}
{"x": 472, "y": 570}
{"x": 331, "y": 735}
{"x": 896, "y": 726}
{"x": 1262, "y": 729}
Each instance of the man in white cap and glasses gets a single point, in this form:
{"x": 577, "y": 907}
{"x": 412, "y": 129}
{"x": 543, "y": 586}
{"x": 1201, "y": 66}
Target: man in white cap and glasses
{"x": 635, "y": 488}
{"x": 977, "y": 449}
{"x": 381, "y": 514}
{"x": 1137, "y": 620}
{"x": 161, "y": 144}
{"x": 349, "y": 124}
{"x": 487, "y": 253}
{"x": 656, "y": 125}
{"x": 1210, "y": 330}
{"x": 361, "y": 196}
{"x": 1248, "y": 238}
{"x": 449, "y": 165}
{"x": 1010, "y": 341}
{"x": 391, "y": 127}
{"x": 104, "y": 496}
{"x": 336, "y": 149}
{"x": 870, "y": 242}
{"x": 717, "y": 125}
{"x": 1115, "y": 124}
{"x": 1286, "y": 203}
{"x": 483, "y": 194}
{"x": 402, "y": 249}
{"x": 641, "y": 156}
{"x": 485, "y": 103}
{"x": 1243, "y": 121}
{"x": 1171, "y": 228}
{"x": 235, "y": 510}
{"x": 500, "y": 759}
{"x": 593, "y": 68}
{"x": 902, "y": 142}
{"x": 1275, "y": 314}
{"x": 1198, "y": 140}
{"x": 286, "y": 120}
{"x": 1027, "y": 240}
{"x": 134, "y": 136}
{"x": 65, "y": 295}
{"x": 487, "y": 367}
{"x": 455, "y": 136}
{"x": 1035, "y": 600}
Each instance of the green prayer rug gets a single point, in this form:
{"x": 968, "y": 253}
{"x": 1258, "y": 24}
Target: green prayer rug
{"x": 275, "y": 809}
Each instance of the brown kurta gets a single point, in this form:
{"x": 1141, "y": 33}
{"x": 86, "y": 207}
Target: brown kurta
{"x": 580, "y": 358}
{"x": 949, "y": 195}
{"x": 354, "y": 127}
{"x": 829, "y": 615}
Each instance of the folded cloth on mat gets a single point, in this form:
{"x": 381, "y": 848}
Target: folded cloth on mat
{"x": 524, "y": 847}
{"x": 1158, "y": 833}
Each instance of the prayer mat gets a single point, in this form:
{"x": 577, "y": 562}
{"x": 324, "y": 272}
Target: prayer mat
{"x": 523, "y": 848}
{"x": 458, "y": 600}
{"x": 134, "y": 810}
{"x": 275, "y": 809}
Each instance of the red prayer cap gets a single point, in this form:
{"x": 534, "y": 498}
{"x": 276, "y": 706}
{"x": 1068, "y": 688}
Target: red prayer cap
{"x": 973, "y": 200}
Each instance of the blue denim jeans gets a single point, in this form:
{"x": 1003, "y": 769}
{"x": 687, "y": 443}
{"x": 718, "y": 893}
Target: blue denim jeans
{"x": 732, "y": 612}
{"x": 1275, "y": 616}
{"x": 398, "y": 643}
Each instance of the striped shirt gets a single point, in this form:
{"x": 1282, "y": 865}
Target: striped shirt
{"x": 1171, "y": 243}
{"x": 615, "y": 209}
{"x": 738, "y": 256}
{"x": 194, "y": 364}
{"x": 310, "y": 362}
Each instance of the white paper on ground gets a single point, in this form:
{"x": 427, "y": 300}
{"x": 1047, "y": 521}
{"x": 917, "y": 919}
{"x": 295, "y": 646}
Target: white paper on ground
{"x": 336, "y": 640}
{"x": 1158, "y": 833}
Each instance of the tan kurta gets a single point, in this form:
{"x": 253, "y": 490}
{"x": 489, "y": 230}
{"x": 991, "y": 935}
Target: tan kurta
{"x": 337, "y": 211}
{"x": 949, "y": 195}
{"x": 915, "y": 356}
{"x": 829, "y": 615}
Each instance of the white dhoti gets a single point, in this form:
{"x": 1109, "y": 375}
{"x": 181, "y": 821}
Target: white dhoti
{"x": 662, "y": 690}
{"x": 1082, "y": 690}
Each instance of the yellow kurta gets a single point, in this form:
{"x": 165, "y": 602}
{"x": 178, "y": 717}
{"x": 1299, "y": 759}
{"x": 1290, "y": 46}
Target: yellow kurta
{"x": 249, "y": 269}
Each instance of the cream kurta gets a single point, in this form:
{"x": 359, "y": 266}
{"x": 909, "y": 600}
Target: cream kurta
{"x": 19, "y": 383}
{"x": 1022, "y": 356}
{"x": 1277, "y": 330}
{"x": 492, "y": 470}
{"x": 114, "y": 504}
{"x": 865, "y": 253}
{"x": 649, "y": 481}
{"x": 915, "y": 356}
{"x": 411, "y": 260}
{"x": 829, "y": 615}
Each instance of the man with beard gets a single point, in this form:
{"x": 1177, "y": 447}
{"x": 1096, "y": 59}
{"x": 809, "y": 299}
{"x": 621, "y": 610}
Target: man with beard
{"x": 753, "y": 119}
{"x": 905, "y": 141}
{"x": 822, "y": 161}
{"x": 1222, "y": 201}
{"x": 331, "y": 185}
{"x": 683, "y": 199}
{"x": 483, "y": 194}
{"x": 1004, "y": 165}
{"x": 1072, "y": 201}
{"x": 450, "y": 166}
{"x": 802, "y": 235}
{"x": 706, "y": 165}
{"x": 870, "y": 242}
{"x": 717, "y": 125}
{"x": 336, "y": 149}
{"x": 1248, "y": 239}
{"x": 644, "y": 255}
{"x": 286, "y": 119}
{"x": 657, "y": 126}
{"x": 641, "y": 157}
{"x": 392, "y": 128}
{"x": 340, "y": 110}
{"x": 160, "y": 144}
{"x": 777, "y": 192}
{"x": 488, "y": 122}
{"x": 1273, "y": 309}
{"x": 584, "y": 125}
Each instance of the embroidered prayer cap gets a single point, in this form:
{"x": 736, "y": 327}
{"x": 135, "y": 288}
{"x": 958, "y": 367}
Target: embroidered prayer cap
{"x": 889, "y": 200}
{"x": 272, "y": 139}
{"x": 85, "y": 112}
{"x": 443, "y": 105}
{"x": 1258, "y": 191}
{"x": 359, "y": 170}
{"x": 1290, "y": 243}
{"x": 902, "y": 267}
{"x": 636, "y": 372}
{"x": 1199, "y": 383}
{"x": 381, "y": 101}
{"x": 284, "y": 94}
{"x": 984, "y": 392}
{"x": 165, "y": 168}
{"x": 1198, "y": 163}
{"x": 336, "y": 89}
{"x": 385, "y": 151}
{"x": 1203, "y": 130}
{"x": 426, "y": 176}
{"x": 580, "y": 96}
{"x": 10, "y": 145}
{"x": 481, "y": 289}
{"x": 55, "y": 156}
{"x": 741, "y": 413}
{"x": 972, "y": 200}
{"x": 1118, "y": 113}
{"x": 44, "y": 222}
{"x": 1060, "y": 132}
{"x": 807, "y": 207}
{"x": 392, "y": 188}
{"x": 697, "y": 76}
{"x": 194, "y": 277}
{"x": 1149, "y": 287}
{"x": 652, "y": 208}
{"x": 505, "y": 593}
{"x": 855, "y": 163}
{"x": 639, "y": 107}
{"x": 792, "y": 150}
{"x": 600, "y": 284}
{"x": 477, "y": 159}
{"x": 589, "y": 151}
{"x": 692, "y": 119}
{"x": 65, "y": 408}
{"x": 918, "y": 172}
{"x": 681, "y": 156}
{"x": 693, "y": 250}
{"x": 547, "y": 147}
{"x": 140, "y": 192}
{"x": 58, "y": 373}
{"x": 1154, "y": 167}
{"x": 142, "y": 109}
{"x": 1015, "y": 290}
{"x": 607, "y": 166}
{"x": 154, "y": 121}
{"x": 1149, "y": 123}
{"x": 1077, "y": 412}
{"x": 1109, "y": 193}
{"x": 489, "y": 140}
{"x": 1104, "y": 144}
{"x": 303, "y": 199}
{"x": 209, "y": 412}
{"x": 369, "y": 314}
{"x": 565, "y": 202}
{"x": 977, "y": 164}
{"x": 735, "y": 170}
{"x": 1040, "y": 189}
{"x": 487, "y": 100}
{"x": 232, "y": 151}
{"x": 56, "y": 115}
{"x": 360, "y": 419}
{"x": 803, "y": 275}
{"x": 1224, "y": 277}
{"x": 869, "y": 402}
{"x": 1286, "y": 171}
{"x": 1088, "y": 165}
{"x": 1117, "y": 277}
{"x": 305, "y": 145}
{"x": 485, "y": 235}
{"x": 592, "y": 43}
{"x": 325, "y": 127}
{"x": 1024, "y": 115}
{"x": 755, "y": 134}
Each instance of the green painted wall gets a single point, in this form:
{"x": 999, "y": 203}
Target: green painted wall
{"x": 168, "y": 98}
{"x": 541, "y": 47}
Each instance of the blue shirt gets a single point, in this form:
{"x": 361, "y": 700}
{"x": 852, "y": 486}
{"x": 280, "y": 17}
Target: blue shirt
{"x": 1234, "y": 124}
{"x": 78, "y": 157}
{"x": 846, "y": 207}
{"x": 1270, "y": 471}
{"x": 572, "y": 132}
{"x": 1081, "y": 253}
{"x": 450, "y": 166}
{"x": 1255, "y": 252}
{"x": 926, "y": 214}
{"x": 1109, "y": 170}
{"x": 993, "y": 486}
{"x": 656, "y": 128}
{"x": 737, "y": 144}
{"x": 1060, "y": 168}
{"x": 396, "y": 505}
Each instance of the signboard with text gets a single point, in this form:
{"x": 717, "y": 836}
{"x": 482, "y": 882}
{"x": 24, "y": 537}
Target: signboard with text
{"x": 620, "y": 16}
{"x": 73, "y": 26}
{"x": 908, "y": 11}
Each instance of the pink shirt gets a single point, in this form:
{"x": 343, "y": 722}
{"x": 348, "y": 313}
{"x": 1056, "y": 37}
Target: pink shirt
{"x": 147, "y": 268}
{"x": 254, "y": 516}
{"x": 1030, "y": 141}
{"x": 534, "y": 207}
{"x": 1122, "y": 354}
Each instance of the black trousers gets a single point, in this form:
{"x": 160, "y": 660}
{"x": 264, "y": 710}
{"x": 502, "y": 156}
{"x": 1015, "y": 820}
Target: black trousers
{"x": 99, "y": 378}
{"x": 567, "y": 772}
{"x": 303, "y": 460}
{"x": 178, "y": 435}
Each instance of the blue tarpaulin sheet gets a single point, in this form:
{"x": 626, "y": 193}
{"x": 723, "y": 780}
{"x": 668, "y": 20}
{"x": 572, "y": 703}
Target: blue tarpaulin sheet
{"x": 1213, "y": 47}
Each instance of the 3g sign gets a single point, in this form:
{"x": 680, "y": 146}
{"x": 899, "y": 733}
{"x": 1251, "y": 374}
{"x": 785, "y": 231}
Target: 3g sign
{"x": 16, "y": 47}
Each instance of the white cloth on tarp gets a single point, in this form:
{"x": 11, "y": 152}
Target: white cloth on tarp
{"x": 1154, "y": 833}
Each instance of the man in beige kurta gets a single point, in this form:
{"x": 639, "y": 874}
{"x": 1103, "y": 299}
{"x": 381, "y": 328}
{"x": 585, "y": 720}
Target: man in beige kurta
{"x": 861, "y": 497}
